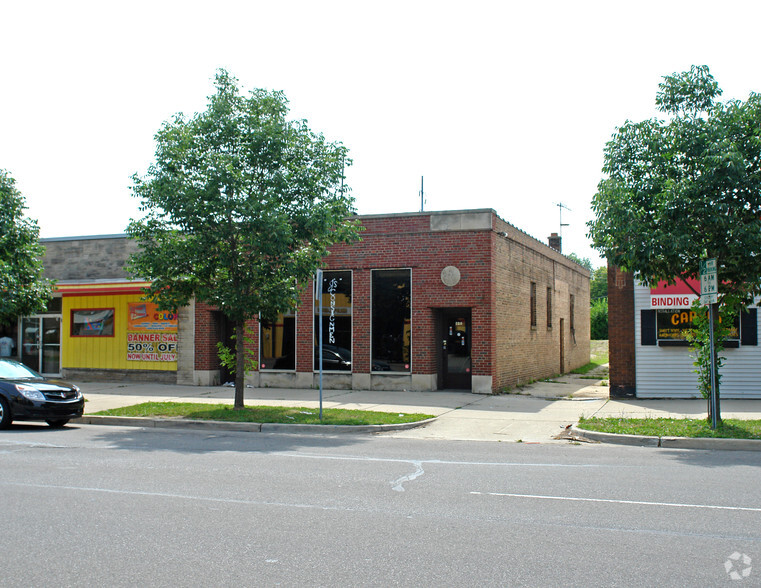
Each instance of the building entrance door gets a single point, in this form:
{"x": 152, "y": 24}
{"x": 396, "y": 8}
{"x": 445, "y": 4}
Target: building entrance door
{"x": 41, "y": 343}
{"x": 454, "y": 341}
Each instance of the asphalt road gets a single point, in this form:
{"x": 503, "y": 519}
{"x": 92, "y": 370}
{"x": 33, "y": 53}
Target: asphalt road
{"x": 112, "y": 506}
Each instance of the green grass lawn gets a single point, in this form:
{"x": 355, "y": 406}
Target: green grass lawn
{"x": 263, "y": 414}
{"x": 599, "y": 356}
{"x": 727, "y": 429}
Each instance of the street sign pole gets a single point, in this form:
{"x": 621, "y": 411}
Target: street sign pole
{"x": 709, "y": 294}
{"x": 714, "y": 396}
{"x": 318, "y": 297}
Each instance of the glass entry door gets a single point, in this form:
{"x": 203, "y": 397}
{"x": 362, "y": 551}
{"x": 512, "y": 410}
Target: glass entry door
{"x": 454, "y": 350}
{"x": 41, "y": 343}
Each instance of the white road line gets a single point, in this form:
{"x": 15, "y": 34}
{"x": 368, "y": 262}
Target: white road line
{"x": 613, "y": 501}
{"x": 446, "y": 462}
{"x": 178, "y": 496}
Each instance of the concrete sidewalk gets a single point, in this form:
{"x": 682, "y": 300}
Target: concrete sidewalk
{"x": 533, "y": 414}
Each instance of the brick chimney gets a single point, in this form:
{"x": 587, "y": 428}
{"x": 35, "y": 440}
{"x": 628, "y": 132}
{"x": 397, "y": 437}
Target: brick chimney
{"x": 554, "y": 241}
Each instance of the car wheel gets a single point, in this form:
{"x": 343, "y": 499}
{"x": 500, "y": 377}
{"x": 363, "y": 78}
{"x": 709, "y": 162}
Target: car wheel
{"x": 57, "y": 423}
{"x": 5, "y": 414}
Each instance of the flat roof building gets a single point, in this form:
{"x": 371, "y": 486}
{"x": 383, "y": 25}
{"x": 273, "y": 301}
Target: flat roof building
{"x": 425, "y": 301}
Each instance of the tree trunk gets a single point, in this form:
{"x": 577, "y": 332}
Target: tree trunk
{"x": 240, "y": 363}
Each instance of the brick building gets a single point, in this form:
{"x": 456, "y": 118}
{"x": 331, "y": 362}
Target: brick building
{"x": 649, "y": 355}
{"x": 425, "y": 301}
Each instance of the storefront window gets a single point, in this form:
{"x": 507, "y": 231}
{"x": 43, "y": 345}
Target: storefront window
{"x": 336, "y": 322}
{"x": 92, "y": 322}
{"x": 277, "y": 343}
{"x": 673, "y": 324}
{"x": 391, "y": 320}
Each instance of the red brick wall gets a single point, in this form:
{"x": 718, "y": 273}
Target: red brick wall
{"x": 621, "y": 336}
{"x": 207, "y": 333}
{"x": 206, "y": 337}
{"x": 495, "y": 276}
{"x": 407, "y": 242}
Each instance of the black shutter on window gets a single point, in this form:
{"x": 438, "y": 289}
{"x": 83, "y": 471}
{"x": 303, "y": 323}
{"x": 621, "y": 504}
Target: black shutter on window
{"x": 648, "y": 327}
{"x": 749, "y": 327}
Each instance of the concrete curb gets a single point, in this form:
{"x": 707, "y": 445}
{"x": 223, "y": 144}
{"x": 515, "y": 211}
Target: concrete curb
{"x": 710, "y": 443}
{"x": 638, "y": 440}
{"x": 176, "y": 423}
{"x": 671, "y": 442}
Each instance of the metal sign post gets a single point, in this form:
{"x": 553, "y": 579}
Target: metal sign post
{"x": 714, "y": 396}
{"x": 709, "y": 294}
{"x": 318, "y": 296}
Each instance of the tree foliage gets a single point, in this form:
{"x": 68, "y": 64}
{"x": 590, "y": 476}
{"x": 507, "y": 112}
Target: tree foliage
{"x": 23, "y": 290}
{"x": 598, "y": 285}
{"x": 685, "y": 188}
{"x": 582, "y": 261}
{"x": 598, "y": 319}
{"x": 241, "y": 206}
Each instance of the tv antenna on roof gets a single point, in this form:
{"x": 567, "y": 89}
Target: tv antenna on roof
{"x": 422, "y": 196}
{"x": 561, "y": 206}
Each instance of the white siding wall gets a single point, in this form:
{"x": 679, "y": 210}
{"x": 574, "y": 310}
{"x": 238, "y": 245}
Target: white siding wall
{"x": 666, "y": 372}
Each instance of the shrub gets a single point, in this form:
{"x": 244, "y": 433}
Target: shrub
{"x": 598, "y": 316}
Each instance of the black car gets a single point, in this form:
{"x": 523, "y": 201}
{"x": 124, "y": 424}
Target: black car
{"x": 25, "y": 395}
{"x": 333, "y": 358}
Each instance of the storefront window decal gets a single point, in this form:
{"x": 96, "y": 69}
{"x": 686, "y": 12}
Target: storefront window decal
{"x": 672, "y": 324}
{"x": 95, "y": 322}
{"x": 336, "y": 299}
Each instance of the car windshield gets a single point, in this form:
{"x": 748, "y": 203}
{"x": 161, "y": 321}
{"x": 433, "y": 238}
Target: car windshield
{"x": 13, "y": 370}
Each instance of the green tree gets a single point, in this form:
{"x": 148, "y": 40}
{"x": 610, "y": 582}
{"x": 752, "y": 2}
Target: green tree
{"x": 686, "y": 188}
{"x": 582, "y": 261}
{"x": 598, "y": 319}
{"x": 241, "y": 207}
{"x": 23, "y": 290}
{"x": 598, "y": 285}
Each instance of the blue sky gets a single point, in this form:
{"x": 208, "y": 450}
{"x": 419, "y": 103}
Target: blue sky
{"x": 503, "y": 105}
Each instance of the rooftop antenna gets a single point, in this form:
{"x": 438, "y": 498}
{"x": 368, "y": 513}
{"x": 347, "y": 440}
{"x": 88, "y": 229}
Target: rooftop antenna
{"x": 422, "y": 195}
{"x": 561, "y": 206}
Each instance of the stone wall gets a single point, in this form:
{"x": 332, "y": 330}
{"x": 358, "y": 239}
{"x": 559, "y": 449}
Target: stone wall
{"x": 87, "y": 258}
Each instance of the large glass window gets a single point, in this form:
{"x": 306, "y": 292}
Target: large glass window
{"x": 391, "y": 320}
{"x": 277, "y": 343}
{"x": 336, "y": 322}
{"x": 673, "y": 324}
{"x": 92, "y": 322}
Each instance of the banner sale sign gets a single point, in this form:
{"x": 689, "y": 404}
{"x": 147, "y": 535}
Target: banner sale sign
{"x": 152, "y": 346}
{"x": 151, "y": 333}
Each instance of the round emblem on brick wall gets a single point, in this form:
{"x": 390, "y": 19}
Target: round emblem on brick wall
{"x": 450, "y": 276}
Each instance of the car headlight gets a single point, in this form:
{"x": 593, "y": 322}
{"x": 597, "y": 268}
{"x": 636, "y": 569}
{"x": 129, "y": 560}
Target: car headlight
{"x": 30, "y": 392}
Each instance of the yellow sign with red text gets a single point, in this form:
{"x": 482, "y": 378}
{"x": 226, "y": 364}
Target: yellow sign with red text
{"x": 151, "y": 333}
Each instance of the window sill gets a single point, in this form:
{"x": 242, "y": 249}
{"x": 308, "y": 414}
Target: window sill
{"x": 681, "y": 343}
